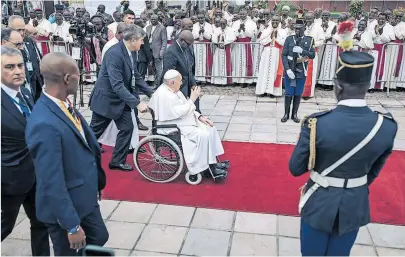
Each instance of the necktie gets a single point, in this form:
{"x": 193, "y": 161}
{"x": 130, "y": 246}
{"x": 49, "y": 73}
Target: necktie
{"x": 23, "y": 105}
{"x": 72, "y": 112}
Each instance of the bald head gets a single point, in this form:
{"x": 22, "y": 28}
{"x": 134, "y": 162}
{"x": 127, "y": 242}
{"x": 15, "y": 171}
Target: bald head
{"x": 187, "y": 36}
{"x": 187, "y": 24}
{"x": 60, "y": 73}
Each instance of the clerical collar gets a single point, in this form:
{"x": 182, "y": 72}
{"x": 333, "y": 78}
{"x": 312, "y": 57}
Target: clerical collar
{"x": 353, "y": 102}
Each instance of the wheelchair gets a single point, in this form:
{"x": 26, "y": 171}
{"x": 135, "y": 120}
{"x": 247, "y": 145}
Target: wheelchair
{"x": 162, "y": 159}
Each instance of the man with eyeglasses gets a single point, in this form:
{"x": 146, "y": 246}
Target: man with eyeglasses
{"x": 31, "y": 54}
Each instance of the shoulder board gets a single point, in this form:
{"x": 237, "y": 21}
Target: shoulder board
{"x": 315, "y": 115}
{"x": 386, "y": 115}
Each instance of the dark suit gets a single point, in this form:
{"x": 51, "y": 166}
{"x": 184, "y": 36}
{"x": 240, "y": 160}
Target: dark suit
{"x": 69, "y": 175}
{"x": 113, "y": 98}
{"x": 34, "y": 77}
{"x": 335, "y": 211}
{"x": 183, "y": 62}
{"x": 144, "y": 57}
{"x": 158, "y": 47}
{"x": 18, "y": 174}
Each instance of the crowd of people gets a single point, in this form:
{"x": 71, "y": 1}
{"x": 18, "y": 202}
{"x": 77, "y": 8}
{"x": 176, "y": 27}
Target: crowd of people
{"x": 234, "y": 43}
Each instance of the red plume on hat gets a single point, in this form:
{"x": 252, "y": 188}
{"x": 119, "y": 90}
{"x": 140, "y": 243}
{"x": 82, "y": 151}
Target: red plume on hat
{"x": 345, "y": 27}
{"x": 345, "y": 31}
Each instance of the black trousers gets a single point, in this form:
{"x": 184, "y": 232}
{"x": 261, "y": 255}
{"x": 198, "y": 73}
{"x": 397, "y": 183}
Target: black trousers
{"x": 93, "y": 227}
{"x": 10, "y": 206}
{"x": 125, "y": 126}
{"x": 142, "y": 68}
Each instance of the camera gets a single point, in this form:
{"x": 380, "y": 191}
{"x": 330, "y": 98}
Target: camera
{"x": 81, "y": 29}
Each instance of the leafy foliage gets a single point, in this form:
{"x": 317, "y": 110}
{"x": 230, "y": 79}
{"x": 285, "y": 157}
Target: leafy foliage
{"x": 356, "y": 8}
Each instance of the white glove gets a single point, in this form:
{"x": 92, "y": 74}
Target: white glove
{"x": 297, "y": 49}
{"x": 290, "y": 74}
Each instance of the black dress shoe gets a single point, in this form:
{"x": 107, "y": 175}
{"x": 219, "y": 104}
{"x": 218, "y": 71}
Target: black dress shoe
{"x": 224, "y": 165}
{"x": 142, "y": 127}
{"x": 123, "y": 167}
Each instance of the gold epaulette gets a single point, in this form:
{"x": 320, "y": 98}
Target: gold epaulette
{"x": 312, "y": 142}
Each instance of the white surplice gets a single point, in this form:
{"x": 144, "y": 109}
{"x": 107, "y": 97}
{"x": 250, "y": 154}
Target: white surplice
{"x": 43, "y": 29}
{"x": 365, "y": 44}
{"x": 270, "y": 62}
{"x": 239, "y": 54}
{"x": 225, "y": 37}
{"x": 318, "y": 35}
{"x": 201, "y": 143}
{"x": 63, "y": 32}
{"x": 387, "y": 35}
{"x": 200, "y": 49}
{"x": 371, "y": 26}
{"x": 328, "y": 55}
{"x": 400, "y": 35}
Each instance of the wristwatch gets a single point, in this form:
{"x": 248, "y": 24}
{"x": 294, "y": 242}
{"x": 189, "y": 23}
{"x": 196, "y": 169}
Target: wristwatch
{"x": 73, "y": 230}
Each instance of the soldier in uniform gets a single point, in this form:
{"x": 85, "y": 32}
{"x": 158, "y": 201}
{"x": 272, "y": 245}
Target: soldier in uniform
{"x": 297, "y": 50}
{"x": 334, "y": 202}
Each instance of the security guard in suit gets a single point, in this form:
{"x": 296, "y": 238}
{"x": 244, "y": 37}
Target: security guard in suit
{"x": 334, "y": 202}
{"x": 297, "y": 50}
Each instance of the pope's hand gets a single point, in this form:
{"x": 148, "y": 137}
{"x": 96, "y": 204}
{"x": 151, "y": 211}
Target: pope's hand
{"x": 195, "y": 93}
{"x": 142, "y": 107}
{"x": 297, "y": 49}
{"x": 290, "y": 74}
{"x": 206, "y": 121}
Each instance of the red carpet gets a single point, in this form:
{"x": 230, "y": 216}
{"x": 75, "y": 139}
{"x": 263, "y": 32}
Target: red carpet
{"x": 258, "y": 181}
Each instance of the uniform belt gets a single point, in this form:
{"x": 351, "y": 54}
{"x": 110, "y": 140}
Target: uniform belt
{"x": 337, "y": 182}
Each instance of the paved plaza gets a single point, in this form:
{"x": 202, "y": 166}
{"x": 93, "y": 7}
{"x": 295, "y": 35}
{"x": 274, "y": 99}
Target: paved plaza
{"x": 141, "y": 229}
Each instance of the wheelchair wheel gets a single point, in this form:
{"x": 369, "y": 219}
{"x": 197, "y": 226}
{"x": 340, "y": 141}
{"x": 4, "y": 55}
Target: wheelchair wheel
{"x": 163, "y": 160}
{"x": 193, "y": 179}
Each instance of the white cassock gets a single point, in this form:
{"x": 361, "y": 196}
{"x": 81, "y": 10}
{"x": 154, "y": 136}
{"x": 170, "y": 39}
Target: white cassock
{"x": 44, "y": 29}
{"x": 365, "y": 44}
{"x": 201, "y": 143}
{"x": 316, "y": 32}
{"x": 328, "y": 55}
{"x": 169, "y": 31}
{"x": 202, "y": 51}
{"x": 63, "y": 32}
{"x": 384, "y": 63}
{"x": 222, "y": 60}
{"x": 242, "y": 54}
{"x": 257, "y": 50}
{"x": 393, "y": 61}
{"x": 271, "y": 68}
{"x": 371, "y": 25}
{"x": 109, "y": 137}
{"x": 228, "y": 17}
{"x": 399, "y": 66}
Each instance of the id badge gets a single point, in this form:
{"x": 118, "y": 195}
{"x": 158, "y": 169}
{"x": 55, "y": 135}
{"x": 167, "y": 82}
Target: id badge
{"x": 29, "y": 66}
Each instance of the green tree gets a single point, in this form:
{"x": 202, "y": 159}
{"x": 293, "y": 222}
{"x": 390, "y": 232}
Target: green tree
{"x": 356, "y": 8}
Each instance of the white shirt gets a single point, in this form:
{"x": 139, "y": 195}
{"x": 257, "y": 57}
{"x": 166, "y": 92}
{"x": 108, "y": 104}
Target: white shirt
{"x": 108, "y": 45}
{"x": 57, "y": 102}
{"x": 13, "y": 94}
{"x": 353, "y": 102}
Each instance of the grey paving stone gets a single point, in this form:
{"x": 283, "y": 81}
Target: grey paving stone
{"x": 266, "y": 99}
{"x": 242, "y": 120}
{"x": 22, "y": 230}
{"x": 15, "y": 247}
{"x": 390, "y": 103}
{"x": 245, "y": 108}
{"x": 221, "y": 119}
{"x": 266, "y": 105}
{"x": 287, "y": 138}
{"x": 253, "y": 245}
{"x": 123, "y": 235}
{"x": 387, "y": 235}
{"x": 256, "y": 223}
{"x": 221, "y": 126}
{"x": 289, "y": 226}
{"x": 289, "y": 246}
{"x": 228, "y": 97}
{"x": 399, "y": 144}
{"x": 223, "y": 112}
{"x": 144, "y": 253}
{"x": 203, "y": 242}
{"x": 213, "y": 219}
{"x": 247, "y": 98}
{"x": 263, "y": 137}
{"x": 264, "y": 121}
{"x": 221, "y": 134}
{"x": 133, "y": 212}
{"x": 265, "y": 114}
{"x": 107, "y": 207}
{"x": 237, "y": 136}
{"x": 121, "y": 252}
{"x": 363, "y": 250}
{"x": 285, "y": 129}
{"x": 243, "y": 113}
{"x": 172, "y": 215}
{"x": 382, "y": 251}
{"x": 264, "y": 128}
{"x": 161, "y": 238}
{"x": 239, "y": 127}
{"x": 363, "y": 237}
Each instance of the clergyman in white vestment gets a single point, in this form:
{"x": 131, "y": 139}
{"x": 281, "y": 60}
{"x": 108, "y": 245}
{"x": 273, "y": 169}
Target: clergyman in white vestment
{"x": 199, "y": 138}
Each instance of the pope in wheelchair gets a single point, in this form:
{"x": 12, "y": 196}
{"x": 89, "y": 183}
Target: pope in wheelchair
{"x": 200, "y": 142}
